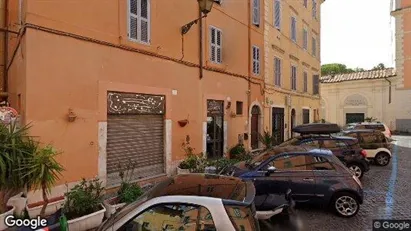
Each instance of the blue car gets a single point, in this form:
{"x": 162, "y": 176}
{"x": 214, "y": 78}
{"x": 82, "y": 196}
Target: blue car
{"x": 313, "y": 175}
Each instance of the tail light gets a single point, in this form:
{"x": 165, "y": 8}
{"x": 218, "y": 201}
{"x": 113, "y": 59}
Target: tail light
{"x": 364, "y": 153}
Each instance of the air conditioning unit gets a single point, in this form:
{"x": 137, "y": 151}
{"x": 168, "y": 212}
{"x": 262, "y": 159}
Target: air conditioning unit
{"x": 288, "y": 100}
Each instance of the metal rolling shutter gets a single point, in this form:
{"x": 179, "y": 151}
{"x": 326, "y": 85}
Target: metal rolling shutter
{"x": 135, "y": 138}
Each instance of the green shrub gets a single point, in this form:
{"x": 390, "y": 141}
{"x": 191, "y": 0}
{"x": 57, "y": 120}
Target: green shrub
{"x": 84, "y": 198}
{"x": 129, "y": 192}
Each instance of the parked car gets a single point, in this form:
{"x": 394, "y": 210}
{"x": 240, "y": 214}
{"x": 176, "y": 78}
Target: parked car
{"x": 313, "y": 175}
{"x": 375, "y": 143}
{"x": 371, "y": 125}
{"x": 347, "y": 149}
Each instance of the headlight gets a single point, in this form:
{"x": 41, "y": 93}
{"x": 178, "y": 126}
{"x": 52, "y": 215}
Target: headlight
{"x": 357, "y": 180}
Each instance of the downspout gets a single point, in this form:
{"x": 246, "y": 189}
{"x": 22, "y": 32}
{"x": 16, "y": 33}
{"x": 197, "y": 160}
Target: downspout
{"x": 201, "y": 43}
{"x": 6, "y": 47}
{"x": 389, "y": 90}
{"x": 249, "y": 72}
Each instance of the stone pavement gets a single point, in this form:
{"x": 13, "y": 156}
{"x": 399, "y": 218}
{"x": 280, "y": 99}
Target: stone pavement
{"x": 387, "y": 196}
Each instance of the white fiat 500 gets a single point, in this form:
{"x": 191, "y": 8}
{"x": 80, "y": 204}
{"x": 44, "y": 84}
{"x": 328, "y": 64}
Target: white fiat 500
{"x": 374, "y": 143}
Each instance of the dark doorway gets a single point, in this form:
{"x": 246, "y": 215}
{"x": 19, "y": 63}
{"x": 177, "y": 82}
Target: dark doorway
{"x": 255, "y": 124}
{"x": 306, "y": 116}
{"x": 278, "y": 125}
{"x": 354, "y": 117}
{"x": 292, "y": 121}
{"x": 215, "y": 128}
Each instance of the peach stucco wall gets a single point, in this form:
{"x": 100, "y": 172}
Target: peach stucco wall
{"x": 54, "y": 73}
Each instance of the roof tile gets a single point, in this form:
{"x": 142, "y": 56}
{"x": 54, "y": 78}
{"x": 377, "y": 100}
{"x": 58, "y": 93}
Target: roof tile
{"x": 374, "y": 74}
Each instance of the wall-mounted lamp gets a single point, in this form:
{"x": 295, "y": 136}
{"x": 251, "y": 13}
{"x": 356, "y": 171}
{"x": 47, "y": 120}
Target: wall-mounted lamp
{"x": 71, "y": 116}
{"x": 205, "y": 8}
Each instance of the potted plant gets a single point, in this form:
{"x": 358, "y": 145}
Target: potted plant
{"x": 15, "y": 148}
{"x": 43, "y": 171}
{"x": 83, "y": 206}
{"x": 267, "y": 140}
{"x": 127, "y": 193}
{"x": 190, "y": 162}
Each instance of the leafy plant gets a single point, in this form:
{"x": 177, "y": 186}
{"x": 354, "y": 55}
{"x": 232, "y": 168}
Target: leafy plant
{"x": 16, "y": 147}
{"x": 43, "y": 171}
{"x": 84, "y": 198}
{"x": 370, "y": 119}
{"x": 267, "y": 140}
{"x": 222, "y": 163}
{"x": 237, "y": 151}
{"x": 192, "y": 161}
{"x": 128, "y": 191}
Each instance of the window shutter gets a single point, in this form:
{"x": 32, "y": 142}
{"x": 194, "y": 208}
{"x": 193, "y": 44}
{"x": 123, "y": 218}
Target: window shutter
{"x": 139, "y": 20}
{"x": 277, "y": 14}
{"x": 314, "y": 48}
{"x": 293, "y": 29}
{"x": 256, "y": 12}
{"x": 314, "y": 9}
{"x": 305, "y": 81}
{"x": 215, "y": 45}
{"x": 305, "y": 3}
{"x": 256, "y": 60}
{"x": 305, "y": 39}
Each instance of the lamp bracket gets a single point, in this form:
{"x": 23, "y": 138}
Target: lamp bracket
{"x": 187, "y": 27}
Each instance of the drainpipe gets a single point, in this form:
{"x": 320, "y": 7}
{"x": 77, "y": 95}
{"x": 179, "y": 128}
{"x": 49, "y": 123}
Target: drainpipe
{"x": 249, "y": 72}
{"x": 389, "y": 90}
{"x": 6, "y": 45}
{"x": 201, "y": 43}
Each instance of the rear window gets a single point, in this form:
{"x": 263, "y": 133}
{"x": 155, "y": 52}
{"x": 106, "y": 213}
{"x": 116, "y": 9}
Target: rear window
{"x": 241, "y": 217}
{"x": 378, "y": 127}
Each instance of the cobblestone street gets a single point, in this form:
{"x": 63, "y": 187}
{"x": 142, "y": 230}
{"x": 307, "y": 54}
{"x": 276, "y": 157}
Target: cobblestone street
{"x": 387, "y": 196}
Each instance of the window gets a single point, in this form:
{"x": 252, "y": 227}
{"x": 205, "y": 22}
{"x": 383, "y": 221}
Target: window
{"x": 305, "y": 79}
{"x": 378, "y": 127}
{"x": 305, "y": 39}
{"x": 139, "y": 20}
{"x": 306, "y": 116}
{"x": 291, "y": 163}
{"x": 316, "y": 84}
{"x": 241, "y": 217}
{"x": 216, "y": 47}
{"x": 277, "y": 14}
{"x": 294, "y": 29}
{"x": 256, "y": 60}
{"x": 172, "y": 217}
{"x": 321, "y": 163}
{"x": 293, "y": 77}
{"x": 305, "y": 3}
{"x": 277, "y": 71}
{"x": 314, "y": 47}
{"x": 314, "y": 10}
{"x": 239, "y": 108}
{"x": 256, "y": 12}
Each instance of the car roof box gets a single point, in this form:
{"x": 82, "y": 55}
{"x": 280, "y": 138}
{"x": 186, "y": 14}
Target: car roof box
{"x": 317, "y": 128}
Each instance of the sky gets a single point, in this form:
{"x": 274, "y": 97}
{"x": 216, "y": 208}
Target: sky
{"x": 357, "y": 33}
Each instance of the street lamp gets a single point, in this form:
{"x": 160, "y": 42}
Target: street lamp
{"x": 205, "y": 8}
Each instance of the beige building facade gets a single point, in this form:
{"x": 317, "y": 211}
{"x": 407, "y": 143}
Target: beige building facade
{"x": 292, "y": 64}
{"x": 353, "y": 97}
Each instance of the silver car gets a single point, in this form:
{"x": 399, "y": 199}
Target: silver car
{"x": 191, "y": 202}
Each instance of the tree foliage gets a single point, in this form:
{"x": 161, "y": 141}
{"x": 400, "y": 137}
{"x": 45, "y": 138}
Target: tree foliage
{"x": 338, "y": 68}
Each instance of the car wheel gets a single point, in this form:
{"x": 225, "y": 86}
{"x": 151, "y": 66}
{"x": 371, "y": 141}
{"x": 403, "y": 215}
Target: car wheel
{"x": 356, "y": 169}
{"x": 345, "y": 204}
{"x": 382, "y": 159}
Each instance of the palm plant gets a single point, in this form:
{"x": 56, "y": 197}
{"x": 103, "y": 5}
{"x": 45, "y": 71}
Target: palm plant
{"x": 267, "y": 140}
{"x": 43, "y": 171}
{"x": 16, "y": 147}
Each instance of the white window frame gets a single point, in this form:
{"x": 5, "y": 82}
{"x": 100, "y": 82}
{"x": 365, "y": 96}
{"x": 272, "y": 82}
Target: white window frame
{"x": 277, "y": 81}
{"x": 293, "y": 77}
{"x": 216, "y": 46}
{"x": 314, "y": 46}
{"x": 138, "y": 17}
{"x": 305, "y": 39}
{"x": 305, "y": 81}
{"x": 256, "y": 60}
{"x": 277, "y": 24}
{"x": 293, "y": 30}
{"x": 256, "y": 12}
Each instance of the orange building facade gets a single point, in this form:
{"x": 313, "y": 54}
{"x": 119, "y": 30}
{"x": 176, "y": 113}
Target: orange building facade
{"x": 402, "y": 14}
{"x": 115, "y": 82}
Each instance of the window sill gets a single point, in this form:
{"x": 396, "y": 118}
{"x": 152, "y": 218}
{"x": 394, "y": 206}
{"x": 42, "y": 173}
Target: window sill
{"x": 218, "y": 66}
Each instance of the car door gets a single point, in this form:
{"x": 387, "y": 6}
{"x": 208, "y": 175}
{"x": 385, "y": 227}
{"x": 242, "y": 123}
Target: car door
{"x": 296, "y": 168}
{"x": 326, "y": 176}
{"x": 276, "y": 182}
